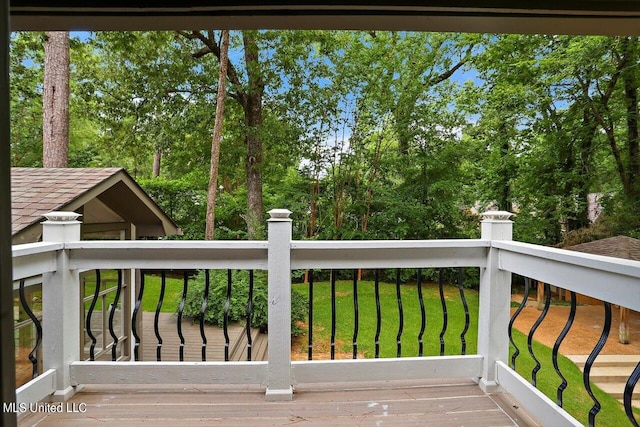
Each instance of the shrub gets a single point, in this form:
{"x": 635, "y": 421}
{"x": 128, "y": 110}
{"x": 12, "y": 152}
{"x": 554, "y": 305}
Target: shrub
{"x": 214, "y": 313}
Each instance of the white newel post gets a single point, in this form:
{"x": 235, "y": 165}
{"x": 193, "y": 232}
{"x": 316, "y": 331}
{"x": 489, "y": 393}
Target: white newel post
{"x": 61, "y": 304}
{"x": 495, "y": 300}
{"x": 279, "y": 337}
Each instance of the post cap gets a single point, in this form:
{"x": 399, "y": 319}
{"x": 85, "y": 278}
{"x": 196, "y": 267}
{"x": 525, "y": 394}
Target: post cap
{"x": 62, "y": 216}
{"x": 279, "y": 214}
{"x": 496, "y": 216}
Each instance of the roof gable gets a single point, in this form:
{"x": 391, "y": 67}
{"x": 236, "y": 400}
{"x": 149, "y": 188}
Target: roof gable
{"x": 37, "y": 191}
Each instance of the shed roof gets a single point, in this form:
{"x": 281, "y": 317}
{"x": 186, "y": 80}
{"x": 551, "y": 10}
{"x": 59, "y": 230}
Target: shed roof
{"x": 619, "y": 247}
{"x": 111, "y": 192}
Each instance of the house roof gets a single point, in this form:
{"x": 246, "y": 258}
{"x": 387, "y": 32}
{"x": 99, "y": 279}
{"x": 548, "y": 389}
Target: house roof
{"x": 102, "y": 194}
{"x": 619, "y": 247}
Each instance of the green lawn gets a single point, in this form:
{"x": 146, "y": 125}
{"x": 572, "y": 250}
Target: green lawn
{"x": 172, "y": 292}
{"x": 576, "y": 400}
{"x": 390, "y": 323}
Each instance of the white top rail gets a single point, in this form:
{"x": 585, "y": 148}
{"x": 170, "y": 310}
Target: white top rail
{"x": 34, "y": 259}
{"x": 608, "y": 279}
{"x": 168, "y": 254}
{"x": 372, "y": 254}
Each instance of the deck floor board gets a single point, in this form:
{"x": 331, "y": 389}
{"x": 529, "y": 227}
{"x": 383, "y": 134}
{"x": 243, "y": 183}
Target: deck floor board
{"x": 404, "y": 403}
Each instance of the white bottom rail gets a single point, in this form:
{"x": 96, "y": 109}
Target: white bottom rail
{"x": 535, "y": 402}
{"x": 36, "y": 390}
{"x": 337, "y": 371}
{"x": 406, "y": 368}
{"x": 168, "y": 373}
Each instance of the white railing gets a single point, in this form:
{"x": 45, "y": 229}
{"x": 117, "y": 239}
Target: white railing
{"x": 494, "y": 254}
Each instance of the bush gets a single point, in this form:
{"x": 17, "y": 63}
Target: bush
{"x": 217, "y": 300}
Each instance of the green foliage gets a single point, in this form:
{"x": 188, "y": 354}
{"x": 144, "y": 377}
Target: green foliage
{"x": 183, "y": 203}
{"x": 237, "y": 309}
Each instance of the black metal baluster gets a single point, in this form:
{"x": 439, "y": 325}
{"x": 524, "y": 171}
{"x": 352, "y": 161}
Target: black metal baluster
{"x": 96, "y": 293}
{"x": 225, "y": 318}
{"x": 33, "y": 353}
{"x": 356, "y": 318}
{"x": 400, "y": 315}
{"x": 556, "y": 348}
{"x": 463, "y": 341}
{"x": 183, "y": 301}
{"x": 310, "y": 345}
{"x": 249, "y": 314}
{"x": 445, "y": 317}
{"x": 333, "y": 314}
{"x": 543, "y": 314}
{"x": 592, "y": 358}
{"x": 112, "y": 312}
{"x": 156, "y": 318}
{"x": 134, "y": 318}
{"x": 522, "y": 305}
{"x": 628, "y": 394}
{"x": 205, "y": 297}
{"x": 423, "y": 313}
{"x": 378, "y": 313}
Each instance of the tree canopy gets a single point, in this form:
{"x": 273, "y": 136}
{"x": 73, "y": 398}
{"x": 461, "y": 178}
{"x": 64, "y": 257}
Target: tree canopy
{"x": 363, "y": 135}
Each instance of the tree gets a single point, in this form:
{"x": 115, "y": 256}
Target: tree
{"x": 56, "y": 100}
{"x": 249, "y": 96}
{"x": 217, "y": 137}
{"x": 27, "y": 58}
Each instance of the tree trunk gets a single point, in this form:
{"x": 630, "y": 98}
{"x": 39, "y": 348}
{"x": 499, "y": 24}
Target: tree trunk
{"x": 55, "y": 108}
{"x": 157, "y": 162}
{"x": 253, "y": 122}
{"x": 505, "y": 202}
{"x": 217, "y": 138}
{"x": 630, "y": 79}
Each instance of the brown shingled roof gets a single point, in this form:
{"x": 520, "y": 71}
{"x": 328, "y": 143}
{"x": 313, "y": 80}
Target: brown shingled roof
{"x": 37, "y": 191}
{"x": 619, "y": 247}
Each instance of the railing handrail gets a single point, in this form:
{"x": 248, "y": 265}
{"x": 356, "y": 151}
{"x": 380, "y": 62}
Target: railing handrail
{"x": 192, "y": 254}
{"x": 168, "y": 244}
{"x": 34, "y": 259}
{"x": 389, "y": 244}
{"x": 27, "y": 249}
{"x": 375, "y": 254}
{"x": 608, "y": 279}
{"x": 597, "y": 262}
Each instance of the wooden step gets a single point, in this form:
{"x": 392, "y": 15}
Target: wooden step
{"x": 607, "y": 360}
{"x": 240, "y": 352}
{"x": 614, "y": 389}
{"x": 610, "y": 374}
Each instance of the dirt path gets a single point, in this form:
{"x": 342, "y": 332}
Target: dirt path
{"x": 584, "y": 333}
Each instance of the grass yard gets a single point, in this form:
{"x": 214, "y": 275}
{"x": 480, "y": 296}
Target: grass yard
{"x": 151, "y": 295}
{"x": 390, "y": 322}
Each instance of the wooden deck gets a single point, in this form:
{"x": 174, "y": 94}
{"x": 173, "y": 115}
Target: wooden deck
{"x": 167, "y": 326}
{"x": 406, "y": 403}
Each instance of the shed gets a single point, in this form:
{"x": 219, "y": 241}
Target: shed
{"x": 112, "y": 204}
